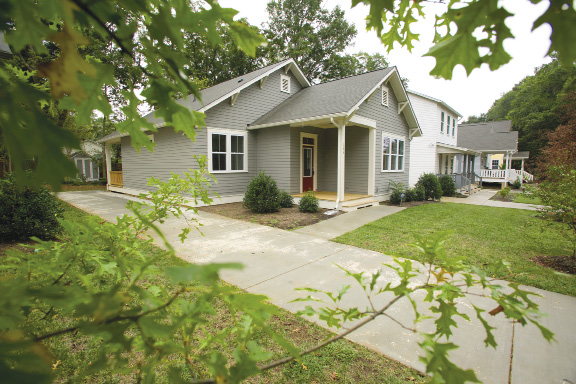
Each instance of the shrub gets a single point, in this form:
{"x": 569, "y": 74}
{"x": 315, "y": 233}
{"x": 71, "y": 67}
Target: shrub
{"x": 517, "y": 184}
{"x": 286, "y": 200}
{"x": 410, "y": 195}
{"x": 448, "y": 185}
{"x": 395, "y": 197}
{"x": 420, "y": 194}
{"x": 262, "y": 194}
{"x": 504, "y": 192}
{"x": 27, "y": 212}
{"x": 431, "y": 185}
{"x": 308, "y": 203}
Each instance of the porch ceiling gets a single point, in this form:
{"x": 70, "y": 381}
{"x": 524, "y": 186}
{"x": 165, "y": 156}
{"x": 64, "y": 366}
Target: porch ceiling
{"x": 445, "y": 148}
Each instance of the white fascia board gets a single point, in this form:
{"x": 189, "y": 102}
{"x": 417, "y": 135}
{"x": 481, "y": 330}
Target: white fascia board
{"x": 364, "y": 121}
{"x": 460, "y": 149}
{"x": 374, "y": 89}
{"x": 296, "y": 121}
{"x": 294, "y": 67}
{"x": 437, "y": 101}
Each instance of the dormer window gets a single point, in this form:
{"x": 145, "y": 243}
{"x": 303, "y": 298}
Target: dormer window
{"x": 285, "y": 83}
{"x": 384, "y": 95}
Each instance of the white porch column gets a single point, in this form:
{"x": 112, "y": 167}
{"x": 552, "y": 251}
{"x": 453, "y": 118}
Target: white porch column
{"x": 522, "y": 172}
{"x": 108, "y": 152}
{"x": 341, "y": 165}
{"x": 372, "y": 161}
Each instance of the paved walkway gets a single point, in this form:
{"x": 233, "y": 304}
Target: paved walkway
{"x": 483, "y": 198}
{"x": 278, "y": 261}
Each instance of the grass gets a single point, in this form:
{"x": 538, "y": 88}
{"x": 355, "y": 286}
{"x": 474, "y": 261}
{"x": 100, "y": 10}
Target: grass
{"x": 482, "y": 235}
{"x": 526, "y": 199}
{"x": 342, "y": 362}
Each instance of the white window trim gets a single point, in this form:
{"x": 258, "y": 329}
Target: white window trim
{"x": 492, "y": 164}
{"x": 448, "y": 118}
{"x": 403, "y": 138}
{"x": 453, "y": 127}
{"x": 282, "y": 78}
{"x": 385, "y": 95}
{"x": 442, "y": 116}
{"x": 229, "y": 133}
{"x": 315, "y": 137}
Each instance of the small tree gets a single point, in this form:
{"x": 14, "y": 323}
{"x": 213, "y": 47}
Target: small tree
{"x": 558, "y": 194}
{"x": 309, "y": 203}
{"x": 431, "y": 185}
{"x": 262, "y": 194}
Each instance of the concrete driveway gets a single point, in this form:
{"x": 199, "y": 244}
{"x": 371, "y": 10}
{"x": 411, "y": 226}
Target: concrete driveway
{"x": 278, "y": 261}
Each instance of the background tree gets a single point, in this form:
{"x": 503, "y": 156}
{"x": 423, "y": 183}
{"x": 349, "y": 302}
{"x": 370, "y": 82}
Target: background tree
{"x": 310, "y": 34}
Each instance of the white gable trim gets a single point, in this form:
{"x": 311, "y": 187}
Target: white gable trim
{"x": 293, "y": 67}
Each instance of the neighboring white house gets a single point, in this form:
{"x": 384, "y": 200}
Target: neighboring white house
{"x": 88, "y": 168}
{"x": 437, "y": 150}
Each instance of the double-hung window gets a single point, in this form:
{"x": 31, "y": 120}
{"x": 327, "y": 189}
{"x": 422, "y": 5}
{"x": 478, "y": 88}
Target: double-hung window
{"x": 442, "y": 123}
{"x": 448, "y": 125}
{"x": 392, "y": 154}
{"x": 227, "y": 151}
{"x": 453, "y": 127}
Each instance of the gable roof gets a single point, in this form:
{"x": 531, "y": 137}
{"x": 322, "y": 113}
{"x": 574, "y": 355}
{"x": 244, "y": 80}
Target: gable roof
{"x": 435, "y": 100}
{"x": 336, "y": 98}
{"x": 216, "y": 94}
{"x": 491, "y": 136}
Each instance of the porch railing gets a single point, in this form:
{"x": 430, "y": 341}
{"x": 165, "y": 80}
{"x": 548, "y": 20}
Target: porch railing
{"x": 493, "y": 174}
{"x": 116, "y": 179}
{"x": 506, "y": 174}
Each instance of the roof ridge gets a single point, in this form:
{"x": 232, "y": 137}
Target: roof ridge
{"x": 358, "y": 74}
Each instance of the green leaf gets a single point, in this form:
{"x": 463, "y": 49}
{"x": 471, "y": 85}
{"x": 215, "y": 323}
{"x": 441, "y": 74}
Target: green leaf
{"x": 489, "y": 340}
{"x": 561, "y": 15}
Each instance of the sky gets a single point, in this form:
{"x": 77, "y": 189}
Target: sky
{"x": 469, "y": 95}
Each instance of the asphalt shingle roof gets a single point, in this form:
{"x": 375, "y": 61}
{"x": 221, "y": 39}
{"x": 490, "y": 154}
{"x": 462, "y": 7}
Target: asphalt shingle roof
{"x": 5, "y": 51}
{"x": 328, "y": 98}
{"x": 490, "y": 136}
{"x": 211, "y": 94}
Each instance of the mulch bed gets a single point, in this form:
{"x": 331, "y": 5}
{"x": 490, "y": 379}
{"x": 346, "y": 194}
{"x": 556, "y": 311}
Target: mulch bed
{"x": 286, "y": 218}
{"x": 15, "y": 245}
{"x": 564, "y": 264}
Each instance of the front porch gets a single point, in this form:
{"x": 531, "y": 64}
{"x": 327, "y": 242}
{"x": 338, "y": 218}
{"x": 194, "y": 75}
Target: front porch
{"x": 350, "y": 201}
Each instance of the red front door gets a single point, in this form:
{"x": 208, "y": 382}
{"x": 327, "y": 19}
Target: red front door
{"x": 307, "y": 168}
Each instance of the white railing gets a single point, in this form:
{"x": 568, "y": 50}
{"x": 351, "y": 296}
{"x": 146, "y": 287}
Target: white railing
{"x": 506, "y": 174}
{"x": 493, "y": 174}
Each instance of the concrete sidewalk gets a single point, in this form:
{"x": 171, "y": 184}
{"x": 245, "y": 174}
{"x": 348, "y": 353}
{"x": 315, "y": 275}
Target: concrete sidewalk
{"x": 278, "y": 261}
{"x": 483, "y": 198}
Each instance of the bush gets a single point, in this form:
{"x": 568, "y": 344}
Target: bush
{"x": 308, "y": 203}
{"x": 419, "y": 193}
{"x": 448, "y": 185}
{"x": 431, "y": 185}
{"x": 395, "y": 197}
{"x": 27, "y": 212}
{"x": 286, "y": 200}
{"x": 503, "y": 193}
{"x": 517, "y": 184}
{"x": 411, "y": 194}
{"x": 262, "y": 194}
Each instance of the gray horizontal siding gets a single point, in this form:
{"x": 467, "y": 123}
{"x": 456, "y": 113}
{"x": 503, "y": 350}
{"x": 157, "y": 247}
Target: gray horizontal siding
{"x": 252, "y": 103}
{"x": 273, "y": 155}
{"x": 388, "y": 121}
{"x": 356, "y": 169}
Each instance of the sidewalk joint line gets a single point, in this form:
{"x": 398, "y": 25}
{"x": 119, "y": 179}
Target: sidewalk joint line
{"x": 298, "y": 267}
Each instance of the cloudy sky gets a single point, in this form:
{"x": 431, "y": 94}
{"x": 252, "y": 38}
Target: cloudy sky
{"x": 468, "y": 95}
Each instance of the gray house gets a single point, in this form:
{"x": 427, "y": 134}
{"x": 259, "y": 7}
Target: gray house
{"x": 347, "y": 139}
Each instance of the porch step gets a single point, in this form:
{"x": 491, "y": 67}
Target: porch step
{"x": 358, "y": 204}
{"x": 474, "y": 189}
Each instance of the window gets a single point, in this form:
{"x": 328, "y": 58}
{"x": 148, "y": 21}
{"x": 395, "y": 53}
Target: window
{"x": 448, "y": 125}
{"x": 392, "y": 154}
{"x": 384, "y": 95}
{"x": 495, "y": 164}
{"x": 442, "y": 123}
{"x": 227, "y": 151}
{"x": 453, "y": 127}
{"x": 285, "y": 83}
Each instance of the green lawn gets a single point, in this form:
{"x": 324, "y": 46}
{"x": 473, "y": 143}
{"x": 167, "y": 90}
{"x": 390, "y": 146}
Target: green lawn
{"x": 481, "y": 234}
{"x": 526, "y": 199}
{"x": 341, "y": 362}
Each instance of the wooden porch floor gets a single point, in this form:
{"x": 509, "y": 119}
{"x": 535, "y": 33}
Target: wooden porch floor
{"x": 331, "y": 196}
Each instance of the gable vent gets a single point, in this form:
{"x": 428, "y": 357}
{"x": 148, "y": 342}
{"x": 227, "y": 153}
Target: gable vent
{"x": 384, "y": 95}
{"x": 285, "y": 83}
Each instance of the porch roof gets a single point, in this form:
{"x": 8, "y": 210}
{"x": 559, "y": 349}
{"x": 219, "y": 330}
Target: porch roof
{"x": 447, "y": 148}
{"x": 522, "y": 155}
{"x": 492, "y": 137}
